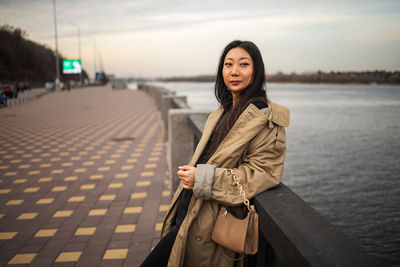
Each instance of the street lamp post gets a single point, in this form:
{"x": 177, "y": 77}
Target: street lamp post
{"x": 94, "y": 60}
{"x": 79, "y": 47}
{"x": 57, "y": 82}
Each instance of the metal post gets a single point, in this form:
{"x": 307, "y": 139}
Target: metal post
{"x": 79, "y": 52}
{"x": 94, "y": 61}
{"x": 80, "y": 55}
{"x": 57, "y": 82}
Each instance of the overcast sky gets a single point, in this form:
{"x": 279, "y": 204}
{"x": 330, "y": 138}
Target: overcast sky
{"x": 175, "y": 37}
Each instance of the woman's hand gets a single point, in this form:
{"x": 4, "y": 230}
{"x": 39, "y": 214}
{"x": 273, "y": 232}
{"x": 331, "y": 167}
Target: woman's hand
{"x": 186, "y": 174}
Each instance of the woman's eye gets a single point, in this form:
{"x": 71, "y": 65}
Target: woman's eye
{"x": 228, "y": 64}
{"x": 244, "y": 64}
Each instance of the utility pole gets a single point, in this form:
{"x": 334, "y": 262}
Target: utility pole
{"x": 79, "y": 48}
{"x": 94, "y": 60}
{"x": 57, "y": 82}
{"x": 101, "y": 61}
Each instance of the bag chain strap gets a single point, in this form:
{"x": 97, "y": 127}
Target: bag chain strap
{"x": 240, "y": 188}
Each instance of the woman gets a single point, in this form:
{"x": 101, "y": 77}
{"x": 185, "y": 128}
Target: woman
{"x": 245, "y": 133}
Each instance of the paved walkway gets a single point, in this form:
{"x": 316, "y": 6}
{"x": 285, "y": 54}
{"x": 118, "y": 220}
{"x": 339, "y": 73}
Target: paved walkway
{"x": 83, "y": 179}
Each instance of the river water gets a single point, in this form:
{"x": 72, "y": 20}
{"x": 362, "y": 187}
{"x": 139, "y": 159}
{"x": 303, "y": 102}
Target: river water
{"x": 343, "y": 155}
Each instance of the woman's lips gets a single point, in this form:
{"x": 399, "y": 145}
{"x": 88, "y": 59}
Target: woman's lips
{"x": 235, "y": 82}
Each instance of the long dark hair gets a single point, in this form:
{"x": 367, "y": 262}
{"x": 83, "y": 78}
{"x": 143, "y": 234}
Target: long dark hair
{"x": 254, "y": 92}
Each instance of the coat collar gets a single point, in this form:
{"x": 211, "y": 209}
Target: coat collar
{"x": 250, "y": 122}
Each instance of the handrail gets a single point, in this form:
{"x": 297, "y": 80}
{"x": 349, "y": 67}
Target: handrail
{"x": 179, "y": 103}
{"x": 300, "y": 236}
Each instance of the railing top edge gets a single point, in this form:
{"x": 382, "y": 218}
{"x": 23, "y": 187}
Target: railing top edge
{"x": 179, "y": 103}
{"x": 293, "y": 227}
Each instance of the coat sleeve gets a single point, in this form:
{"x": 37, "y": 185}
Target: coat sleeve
{"x": 261, "y": 169}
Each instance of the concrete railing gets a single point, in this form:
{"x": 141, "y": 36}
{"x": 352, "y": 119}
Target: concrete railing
{"x": 25, "y": 97}
{"x": 178, "y": 130}
{"x": 292, "y": 232}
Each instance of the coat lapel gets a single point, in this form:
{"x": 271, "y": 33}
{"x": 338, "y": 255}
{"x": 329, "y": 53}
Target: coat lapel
{"x": 208, "y": 129}
{"x": 248, "y": 125}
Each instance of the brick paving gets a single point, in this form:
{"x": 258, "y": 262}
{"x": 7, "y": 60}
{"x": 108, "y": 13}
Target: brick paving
{"x": 83, "y": 179}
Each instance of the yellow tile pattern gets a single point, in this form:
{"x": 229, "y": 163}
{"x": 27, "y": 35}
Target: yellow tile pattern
{"x": 85, "y": 231}
{"x": 158, "y": 226}
{"x": 115, "y": 185}
{"x": 31, "y": 190}
{"x": 26, "y": 258}
{"x": 143, "y": 183}
{"x": 97, "y": 212}
{"x": 125, "y": 228}
{"x": 59, "y": 158}
{"x": 59, "y": 189}
{"x": 20, "y": 181}
{"x": 26, "y": 166}
{"x": 28, "y": 216}
{"x": 150, "y": 166}
{"x": 14, "y": 202}
{"x": 163, "y": 207}
{"x": 45, "y": 201}
{"x": 121, "y": 175}
{"x": 45, "y": 180}
{"x": 76, "y": 199}
{"x": 87, "y": 186}
{"x": 166, "y": 193}
{"x": 45, "y": 233}
{"x": 103, "y": 169}
{"x": 68, "y": 256}
{"x": 127, "y": 167}
{"x": 96, "y": 176}
{"x": 70, "y": 178}
{"x": 62, "y": 213}
{"x": 115, "y": 254}
{"x": 46, "y": 165}
{"x": 7, "y": 235}
{"x": 107, "y": 197}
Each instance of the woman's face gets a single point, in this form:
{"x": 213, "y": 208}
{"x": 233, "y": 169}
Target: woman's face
{"x": 238, "y": 70}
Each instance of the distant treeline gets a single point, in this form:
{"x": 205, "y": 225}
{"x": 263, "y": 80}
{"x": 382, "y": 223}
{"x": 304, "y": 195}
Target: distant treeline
{"x": 365, "y": 77}
{"x": 24, "y": 60}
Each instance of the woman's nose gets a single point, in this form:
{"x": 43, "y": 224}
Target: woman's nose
{"x": 235, "y": 70}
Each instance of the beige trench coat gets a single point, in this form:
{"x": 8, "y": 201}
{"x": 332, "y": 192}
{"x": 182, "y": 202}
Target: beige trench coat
{"x": 255, "y": 147}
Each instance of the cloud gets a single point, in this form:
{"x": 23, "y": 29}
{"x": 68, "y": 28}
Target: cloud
{"x": 175, "y": 36}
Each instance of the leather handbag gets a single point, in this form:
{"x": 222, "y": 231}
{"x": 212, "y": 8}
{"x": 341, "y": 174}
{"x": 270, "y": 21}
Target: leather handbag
{"x": 239, "y": 235}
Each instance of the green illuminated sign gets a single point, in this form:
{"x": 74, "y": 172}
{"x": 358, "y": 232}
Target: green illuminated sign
{"x": 72, "y": 66}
